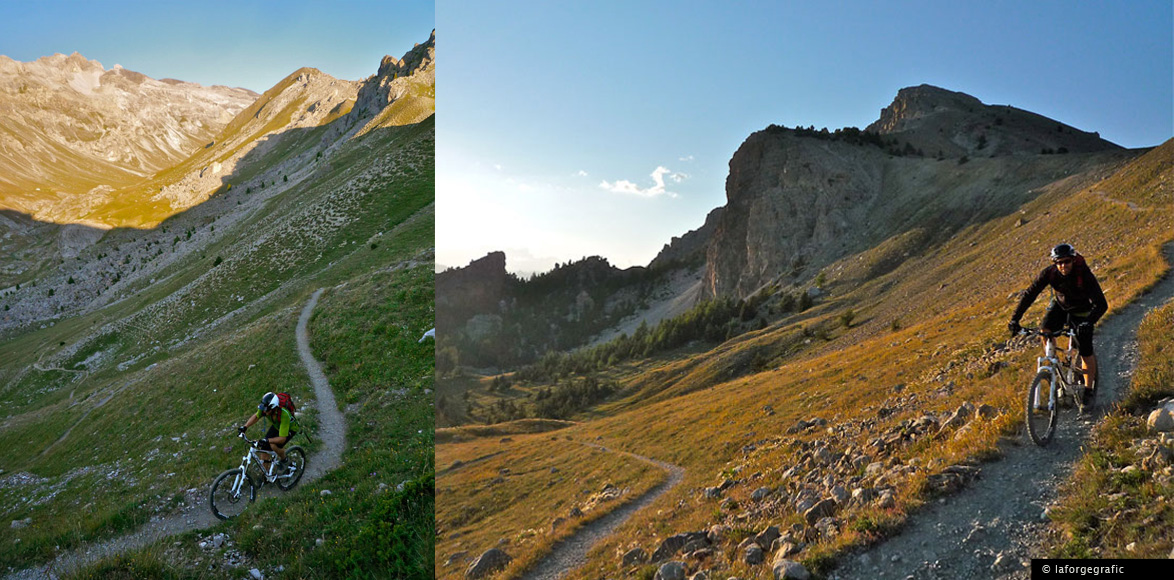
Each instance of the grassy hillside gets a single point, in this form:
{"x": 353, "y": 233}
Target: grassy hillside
{"x": 126, "y": 411}
{"x": 925, "y": 334}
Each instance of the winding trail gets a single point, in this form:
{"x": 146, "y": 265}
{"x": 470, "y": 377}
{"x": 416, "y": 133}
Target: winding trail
{"x": 994, "y": 527}
{"x": 571, "y": 552}
{"x": 331, "y": 431}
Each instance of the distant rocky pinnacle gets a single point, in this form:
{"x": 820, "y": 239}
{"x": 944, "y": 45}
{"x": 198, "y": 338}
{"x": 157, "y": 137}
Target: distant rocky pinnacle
{"x": 395, "y": 75}
{"x": 937, "y": 122}
{"x": 67, "y": 125}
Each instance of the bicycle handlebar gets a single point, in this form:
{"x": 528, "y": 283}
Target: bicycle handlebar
{"x": 1049, "y": 334}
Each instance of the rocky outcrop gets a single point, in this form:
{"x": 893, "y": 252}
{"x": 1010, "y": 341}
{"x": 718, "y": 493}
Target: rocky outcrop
{"x": 937, "y": 122}
{"x": 477, "y": 288}
{"x": 690, "y": 247}
{"x": 792, "y": 202}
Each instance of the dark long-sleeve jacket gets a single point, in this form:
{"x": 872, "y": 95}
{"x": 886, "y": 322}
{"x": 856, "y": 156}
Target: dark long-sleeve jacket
{"x": 1079, "y": 291}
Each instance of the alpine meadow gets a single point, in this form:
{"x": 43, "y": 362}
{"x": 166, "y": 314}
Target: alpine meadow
{"x": 170, "y": 254}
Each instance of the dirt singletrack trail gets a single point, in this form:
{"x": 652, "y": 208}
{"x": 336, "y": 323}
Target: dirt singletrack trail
{"x": 572, "y": 551}
{"x": 994, "y": 527}
{"x": 331, "y": 431}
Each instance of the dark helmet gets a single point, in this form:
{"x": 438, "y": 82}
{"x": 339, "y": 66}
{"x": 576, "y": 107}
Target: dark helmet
{"x": 1063, "y": 251}
{"x": 269, "y": 402}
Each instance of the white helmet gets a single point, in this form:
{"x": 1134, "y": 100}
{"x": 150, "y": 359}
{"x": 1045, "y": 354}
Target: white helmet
{"x": 269, "y": 402}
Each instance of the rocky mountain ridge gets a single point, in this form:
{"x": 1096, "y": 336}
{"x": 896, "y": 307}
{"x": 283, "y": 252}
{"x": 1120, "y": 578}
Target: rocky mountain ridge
{"x": 944, "y": 123}
{"x": 798, "y": 200}
{"x": 69, "y": 126}
{"x": 289, "y": 135}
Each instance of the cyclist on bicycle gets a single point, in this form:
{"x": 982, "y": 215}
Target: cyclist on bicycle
{"x": 1077, "y": 299}
{"x": 281, "y": 423}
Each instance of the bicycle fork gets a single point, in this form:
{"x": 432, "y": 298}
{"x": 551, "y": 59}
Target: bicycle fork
{"x": 1048, "y": 363}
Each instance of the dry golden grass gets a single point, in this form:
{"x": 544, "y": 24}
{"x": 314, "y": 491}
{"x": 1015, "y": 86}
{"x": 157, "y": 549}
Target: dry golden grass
{"x": 511, "y": 490}
{"x": 704, "y": 411}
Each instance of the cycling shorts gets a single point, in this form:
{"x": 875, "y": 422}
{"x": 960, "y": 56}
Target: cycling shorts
{"x": 1055, "y": 318}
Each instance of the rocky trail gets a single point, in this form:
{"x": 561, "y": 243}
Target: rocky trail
{"x": 993, "y": 528}
{"x": 572, "y": 551}
{"x": 196, "y": 515}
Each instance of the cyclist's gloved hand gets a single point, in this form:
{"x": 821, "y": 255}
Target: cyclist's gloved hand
{"x": 1014, "y": 327}
{"x": 241, "y": 429}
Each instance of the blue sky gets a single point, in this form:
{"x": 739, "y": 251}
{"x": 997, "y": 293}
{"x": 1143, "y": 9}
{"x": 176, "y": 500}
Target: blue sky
{"x": 244, "y": 43}
{"x": 557, "y": 120}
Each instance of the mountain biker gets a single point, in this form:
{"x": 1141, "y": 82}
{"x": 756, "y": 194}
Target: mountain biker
{"x": 281, "y": 423}
{"x": 1076, "y": 299}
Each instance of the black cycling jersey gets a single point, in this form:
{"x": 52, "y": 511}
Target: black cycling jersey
{"x": 1078, "y": 292}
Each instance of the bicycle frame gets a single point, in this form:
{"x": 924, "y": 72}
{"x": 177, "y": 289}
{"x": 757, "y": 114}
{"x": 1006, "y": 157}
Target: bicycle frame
{"x": 253, "y": 455}
{"x": 1051, "y": 364}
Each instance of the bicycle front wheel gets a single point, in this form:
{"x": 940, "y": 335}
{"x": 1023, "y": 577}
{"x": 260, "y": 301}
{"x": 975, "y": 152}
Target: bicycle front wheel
{"x": 231, "y": 493}
{"x": 1041, "y": 411}
{"x": 296, "y": 458}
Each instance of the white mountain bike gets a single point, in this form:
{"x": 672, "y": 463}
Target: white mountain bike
{"x": 1056, "y": 382}
{"x": 235, "y": 489}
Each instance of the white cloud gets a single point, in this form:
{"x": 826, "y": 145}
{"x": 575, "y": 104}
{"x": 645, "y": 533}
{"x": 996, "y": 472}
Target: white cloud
{"x": 497, "y": 166}
{"x": 687, "y": 159}
{"x": 627, "y": 187}
{"x": 579, "y": 173}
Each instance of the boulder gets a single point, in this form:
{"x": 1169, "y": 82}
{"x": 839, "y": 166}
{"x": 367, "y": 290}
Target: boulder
{"x": 753, "y": 555}
{"x": 673, "y": 544}
{"x": 820, "y": 510}
{"x": 1161, "y": 420}
{"x": 717, "y": 533}
{"x": 713, "y": 493}
{"x": 766, "y": 538}
{"x": 491, "y": 561}
{"x": 785, "y": 569}
{"x": 635, "y": 557}
{"x": 670, "y": 571}
{"x": 760, "y": 494}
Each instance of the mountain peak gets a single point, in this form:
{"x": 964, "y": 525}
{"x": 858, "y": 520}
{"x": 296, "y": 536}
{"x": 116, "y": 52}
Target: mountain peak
{"x": 946, "y": 123}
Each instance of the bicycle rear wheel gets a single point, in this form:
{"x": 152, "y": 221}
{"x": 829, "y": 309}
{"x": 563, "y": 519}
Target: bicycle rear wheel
{"x": 231, "y": 493}
{"x": 296, "y": 458}
{"x": 1041, "y": 423}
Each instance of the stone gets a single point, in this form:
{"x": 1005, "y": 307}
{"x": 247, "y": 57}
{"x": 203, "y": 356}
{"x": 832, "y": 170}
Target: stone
{"x": 491, "y": 561}
{"x": 713, "y": 493}
{"x": 673, "y": 544}
{"x": 717, "y": 533}
{"x": 887, "y": 501}
{"x": 766, "y": 538}
{"x": 760, "y": 494}
{"x": 18, "y": 524}
{"x": 785, "y": 569}
{"x": 457, "y": 557}
{"x": 324, "y": 493}
{"x": 1161, "y": 421}
{"x": 787, "y": 549}
{"x": 256, "y": 574}
{"x": 987, "y": 412}
{"x": 635, "y": 557}
{"x": 820, "y": 510}
{"x": 753, "y": 555}
{"x": 218, "y": 540}
{"x": 840, "y": 494}
{"x": 670, "y": 571}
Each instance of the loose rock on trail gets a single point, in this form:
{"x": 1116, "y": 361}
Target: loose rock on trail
{"x": 993, "y": 528}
